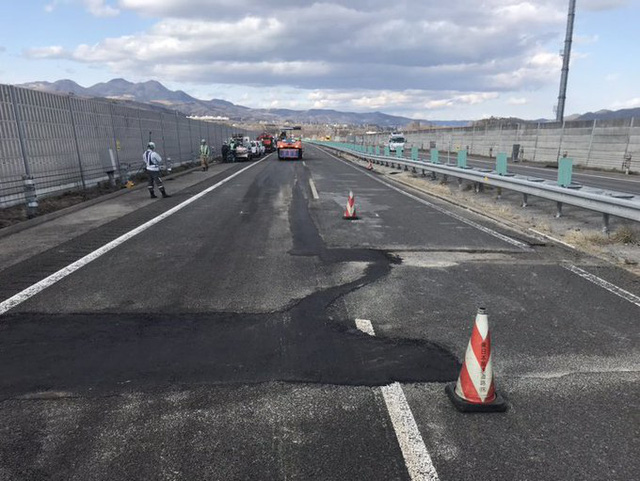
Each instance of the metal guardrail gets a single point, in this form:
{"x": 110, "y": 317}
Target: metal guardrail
{"x": 607, "y": 202}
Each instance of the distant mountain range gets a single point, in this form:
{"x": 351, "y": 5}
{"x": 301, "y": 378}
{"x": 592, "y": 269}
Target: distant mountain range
{"x": 155, "y": 93}
{"x": 607, "y": 115}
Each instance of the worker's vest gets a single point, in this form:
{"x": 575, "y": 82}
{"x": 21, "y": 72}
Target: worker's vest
{"x": 152, "y": 160}
{"x": 204, "y": 150}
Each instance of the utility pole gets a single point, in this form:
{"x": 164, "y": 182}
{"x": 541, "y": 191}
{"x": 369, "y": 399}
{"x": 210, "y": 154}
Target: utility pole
{"x": 562, "y": 96}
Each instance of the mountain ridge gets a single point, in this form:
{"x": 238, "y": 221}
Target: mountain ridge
{"x": 153, "y": 92}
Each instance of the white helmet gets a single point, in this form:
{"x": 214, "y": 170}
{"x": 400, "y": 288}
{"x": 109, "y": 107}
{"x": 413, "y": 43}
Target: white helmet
{"x": 151, "y": 145}
{"x": 203, "y": 141}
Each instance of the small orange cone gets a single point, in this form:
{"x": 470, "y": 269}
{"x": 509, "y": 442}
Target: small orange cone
{"x": 475, "y": 390}
{"x": 350, "y": 212}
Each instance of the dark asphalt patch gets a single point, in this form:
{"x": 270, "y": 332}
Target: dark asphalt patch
{"x": 109, "y": 352}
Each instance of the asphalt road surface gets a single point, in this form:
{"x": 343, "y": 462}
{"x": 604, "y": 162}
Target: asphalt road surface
{"x": 245, "y": 331}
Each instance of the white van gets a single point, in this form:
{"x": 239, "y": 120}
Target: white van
{"x": 396, "y": 141}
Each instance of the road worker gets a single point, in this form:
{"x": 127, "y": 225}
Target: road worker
{"x": 225, "y": 151}
{"x": 152, "y": 162}
{"x": 205, "y": 152}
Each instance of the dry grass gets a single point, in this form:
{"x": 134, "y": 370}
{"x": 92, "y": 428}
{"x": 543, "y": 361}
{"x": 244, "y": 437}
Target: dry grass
{"x": 626, "y": 235}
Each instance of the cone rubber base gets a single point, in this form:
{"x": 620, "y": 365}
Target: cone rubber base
{"x": 350, "y": 218}
{"x": 499, "y": 405}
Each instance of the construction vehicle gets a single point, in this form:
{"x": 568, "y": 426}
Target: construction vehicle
{"x": 268, "y": 141}
{"x": 289, "y": 146}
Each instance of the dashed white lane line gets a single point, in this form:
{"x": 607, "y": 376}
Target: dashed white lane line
{"x": 618, "y": 291}
{"x": 482, "y": 228}
{"x": 31, "y": 291}
{"x": 304, "y": 164}
{"x": 314, "y": 191}
{"x": 414, "y": 451}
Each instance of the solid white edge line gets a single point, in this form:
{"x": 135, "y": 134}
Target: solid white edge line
{"x": 482, "y": 228}
{"x": 415, "y": 454}
{"x": 314, "y": 191}
{"x": 546, "y": 236}
{"x": 618, "y": 291}
{"x": 31, "y": 291}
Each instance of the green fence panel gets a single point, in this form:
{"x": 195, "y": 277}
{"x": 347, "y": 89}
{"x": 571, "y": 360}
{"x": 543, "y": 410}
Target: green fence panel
{"x": 501, "y": 163}
{"x": 399, "y": 152}
{"x": 387, "y": 152}
{"x": 377, "y": 150}
{"x": 434, "y": 156}
{"x": 462, "y": 159}
{"x": 414, "y": 152}
{"x": 565, "y": 169}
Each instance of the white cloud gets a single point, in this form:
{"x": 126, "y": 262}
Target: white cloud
{"x": 403, "y": 56}
{"x": 598, "y": 5}
{"x": 517, "y": 101}
{"x": 627, "y": 104}
{"x": 53, "y": 51}
{"x": 98, "y": 8}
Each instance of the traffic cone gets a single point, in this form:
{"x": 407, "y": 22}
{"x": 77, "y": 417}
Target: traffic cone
{"x": 370, "y": 165}
{"x": 350, "y": 212}
{"x": 475, "y": 390}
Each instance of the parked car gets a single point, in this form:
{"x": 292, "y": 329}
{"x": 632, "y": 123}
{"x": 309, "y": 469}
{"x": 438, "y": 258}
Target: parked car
{"x": 255, "y": 149}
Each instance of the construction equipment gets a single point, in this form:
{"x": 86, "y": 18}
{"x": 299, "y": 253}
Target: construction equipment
{"x": 289, "y": 146}
{"x": 268, "y": 141}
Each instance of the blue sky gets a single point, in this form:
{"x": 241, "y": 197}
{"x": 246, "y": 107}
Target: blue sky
{"x": 459, "y": 59}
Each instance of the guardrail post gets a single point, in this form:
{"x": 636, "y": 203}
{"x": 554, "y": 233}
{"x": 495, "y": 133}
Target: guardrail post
{"x": 605, "y": 223}
{"x": 525, "y": 199}
{"x": 558, "y": 210}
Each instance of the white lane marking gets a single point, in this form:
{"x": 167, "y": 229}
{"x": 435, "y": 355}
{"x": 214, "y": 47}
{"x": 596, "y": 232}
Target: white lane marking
{"x": 304, "y": 163}
{"x": 546, "y": 236}
{"x": 31, "y": 291}
{"x": 314, "y": 191}
{"x": 618, "y": 291}
{"x": 415, "y": 454}
{"x": 365, "y": 326}
{"x": 484, "y": 229}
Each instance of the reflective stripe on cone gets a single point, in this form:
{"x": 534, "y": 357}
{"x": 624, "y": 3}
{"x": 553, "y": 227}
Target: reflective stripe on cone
{"x": 350, "y": 212}
{"x": 475, "y": 389}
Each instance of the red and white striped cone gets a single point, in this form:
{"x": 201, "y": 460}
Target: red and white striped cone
{"x": 475, "y": 390}
{"x": 350, "y": 212}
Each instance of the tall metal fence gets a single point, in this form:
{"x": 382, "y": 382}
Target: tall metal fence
{"x": 610, "y": 144}
{"x": 51, "y": 143}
